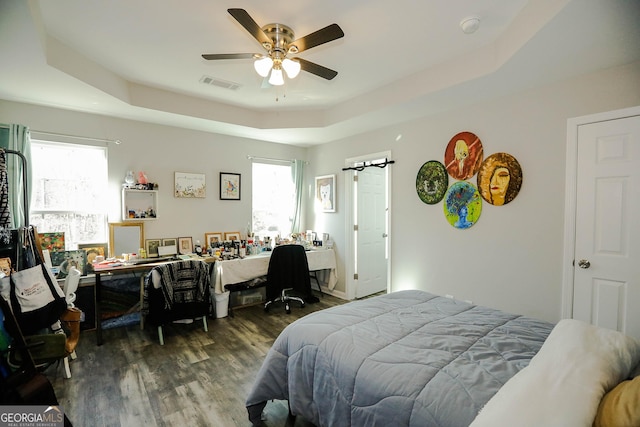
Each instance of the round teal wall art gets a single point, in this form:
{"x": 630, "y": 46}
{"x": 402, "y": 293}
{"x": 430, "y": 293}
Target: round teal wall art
{"x": 432, "y": 182}
{"x": 462, "y": 204}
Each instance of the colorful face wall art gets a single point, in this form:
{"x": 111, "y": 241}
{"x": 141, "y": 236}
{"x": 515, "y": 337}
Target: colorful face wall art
{"x": 463, "y": 155}
{"x": 463, "y": 205}
{"x": 499, "y": 179}
{"x": 432, "y": 182}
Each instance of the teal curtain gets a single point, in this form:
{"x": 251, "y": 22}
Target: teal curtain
{"x": 297, "y": 177}
{"x": 16, "y": 137}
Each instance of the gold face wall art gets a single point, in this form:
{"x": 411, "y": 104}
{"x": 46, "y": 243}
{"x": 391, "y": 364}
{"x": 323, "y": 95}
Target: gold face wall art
{"x": 499, "y": 179}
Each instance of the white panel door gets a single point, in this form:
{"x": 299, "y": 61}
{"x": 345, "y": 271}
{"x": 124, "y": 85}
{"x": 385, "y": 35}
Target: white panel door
{"x": 607, "y": 248}
{"x": 371, "y": 235}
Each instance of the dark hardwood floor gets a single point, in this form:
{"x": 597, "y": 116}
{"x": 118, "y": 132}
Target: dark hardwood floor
{"x": 195, "y": 379}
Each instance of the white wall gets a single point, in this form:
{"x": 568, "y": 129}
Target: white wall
{"x": 512, "y": 258}
{"x": 160, "y": 151}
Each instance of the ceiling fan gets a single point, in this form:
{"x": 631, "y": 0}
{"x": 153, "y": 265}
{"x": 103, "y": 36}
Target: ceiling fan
{"x": 280, "y": 43}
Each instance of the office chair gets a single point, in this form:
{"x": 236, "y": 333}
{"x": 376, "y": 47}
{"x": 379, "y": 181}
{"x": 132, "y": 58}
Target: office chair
{"x": 177, "y": 291}
{"x": 288, "y": 271}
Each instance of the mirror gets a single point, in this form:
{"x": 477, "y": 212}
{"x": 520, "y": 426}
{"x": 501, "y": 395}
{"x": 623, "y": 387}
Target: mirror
{"x": 125, "y": 237}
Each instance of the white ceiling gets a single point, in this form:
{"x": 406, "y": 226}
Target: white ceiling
{"x": 140, "y": 59}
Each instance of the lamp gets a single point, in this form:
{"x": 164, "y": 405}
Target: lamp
{"x": 266, "y": 65}
{"x": 276, "y": 78}
{"x": 263, "y": 66}
{"x": 291, "y": 67}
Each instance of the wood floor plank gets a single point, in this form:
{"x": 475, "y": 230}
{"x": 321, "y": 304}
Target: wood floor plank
{"x": 197, "y": 378}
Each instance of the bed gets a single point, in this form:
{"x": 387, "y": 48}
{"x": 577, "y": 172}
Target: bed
{"x": 411, "y": 358}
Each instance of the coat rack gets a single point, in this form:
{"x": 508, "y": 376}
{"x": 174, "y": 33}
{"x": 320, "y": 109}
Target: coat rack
{"x": 365, "y": 165}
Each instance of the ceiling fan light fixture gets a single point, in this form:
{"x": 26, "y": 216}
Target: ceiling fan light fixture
{"x": 276, "y": 79}
{"x": 263, "y": 66}
{"x": 291, "y": 67}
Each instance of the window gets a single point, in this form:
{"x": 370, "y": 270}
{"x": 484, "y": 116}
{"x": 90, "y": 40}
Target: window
{"x": 273, "y": 195}
{"x": 68, "y": 189}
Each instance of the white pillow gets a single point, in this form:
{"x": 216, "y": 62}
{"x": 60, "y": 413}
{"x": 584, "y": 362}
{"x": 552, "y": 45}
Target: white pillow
{"x": 565, "y": 381}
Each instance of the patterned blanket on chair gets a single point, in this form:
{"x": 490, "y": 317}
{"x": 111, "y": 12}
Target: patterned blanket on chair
{"x": 181, "y": 282}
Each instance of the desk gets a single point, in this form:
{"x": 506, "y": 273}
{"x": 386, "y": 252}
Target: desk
{"x": 243, "y": 269}
{"x": 120, "y": 269}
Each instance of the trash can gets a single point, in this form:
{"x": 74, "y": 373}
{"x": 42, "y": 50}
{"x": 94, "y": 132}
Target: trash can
{"x": 222, "y": 304}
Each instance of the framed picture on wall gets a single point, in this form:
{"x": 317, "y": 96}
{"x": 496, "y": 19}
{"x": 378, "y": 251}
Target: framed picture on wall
{"x": 326, "y": 193}
{"x": 189, "y": 185}
{"x": 229, "y": 186}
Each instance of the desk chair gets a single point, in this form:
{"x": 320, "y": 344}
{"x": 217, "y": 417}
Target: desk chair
{"x": 71, "y": 318}
{"x": 314, "y": 275}
{"x": 288, "y": 271}
{"x": 177, "y": 291}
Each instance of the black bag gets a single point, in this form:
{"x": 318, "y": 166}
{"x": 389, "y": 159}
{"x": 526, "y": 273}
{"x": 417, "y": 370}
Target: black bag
{"x": 36, "y": 301}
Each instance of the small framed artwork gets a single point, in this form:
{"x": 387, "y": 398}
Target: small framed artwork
{"x": 64, "y": 260}
{"x": 53, "y": 242}
{"x": 232, "y": 236}
{"x": 326, "y": 193}
{"x": 93, "y": 250}
{"x": 151, "y": 246}
{"x": 229, "y": 186}
{"x": 170, "y": 242}
{"x": 185, "y": 245}
{"x": 211, "y": 239}
{"x": 189, "y": 185}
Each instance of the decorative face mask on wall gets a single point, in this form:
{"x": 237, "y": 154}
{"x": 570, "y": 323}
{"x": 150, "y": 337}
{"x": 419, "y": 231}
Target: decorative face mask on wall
{"x": 499, "y": 179}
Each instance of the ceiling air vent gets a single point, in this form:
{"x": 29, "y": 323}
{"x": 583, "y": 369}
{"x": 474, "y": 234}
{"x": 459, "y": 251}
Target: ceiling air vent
{"x": 208, "y": 80}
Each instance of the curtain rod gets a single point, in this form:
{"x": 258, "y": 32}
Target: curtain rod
{"x": 86, "y": 138}
{"x": 250, "y": 157}
{"x": 365, "y": 165}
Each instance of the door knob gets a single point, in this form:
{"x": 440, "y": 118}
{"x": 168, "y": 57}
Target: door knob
{"x": 583, "y": 263}
{"x": 384, "y": 234}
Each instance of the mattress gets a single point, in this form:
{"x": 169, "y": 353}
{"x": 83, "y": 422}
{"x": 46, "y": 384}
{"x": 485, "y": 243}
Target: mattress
{"x": 408, "y": 358}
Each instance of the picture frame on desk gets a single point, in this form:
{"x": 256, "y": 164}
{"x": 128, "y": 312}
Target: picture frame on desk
{"x": 93, "y": 250}
{"x": 151, "y": 246}
{"x": 185, "y": 245}
{"x": 171, "y": 241}
{"x": 64, "y": 260}
{"x": 210, "y": 239}
{"x": 232, "y": 236}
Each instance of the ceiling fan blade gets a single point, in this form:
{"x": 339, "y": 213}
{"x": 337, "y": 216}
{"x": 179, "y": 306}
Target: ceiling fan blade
{"x": 323, "y": 35}
{"x": 316, "y": 69}
{"x": 211, "y": 56}
{"x": 250, "y": 25}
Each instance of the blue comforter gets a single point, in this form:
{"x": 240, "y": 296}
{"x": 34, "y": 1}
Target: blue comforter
{"x": 408, "y": 358}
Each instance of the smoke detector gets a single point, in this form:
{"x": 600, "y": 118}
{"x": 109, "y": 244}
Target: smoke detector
{"x": 470, "y": 24}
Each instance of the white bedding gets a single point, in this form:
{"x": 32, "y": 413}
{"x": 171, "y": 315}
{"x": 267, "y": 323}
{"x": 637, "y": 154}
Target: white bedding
{"x": 565, "y": 381}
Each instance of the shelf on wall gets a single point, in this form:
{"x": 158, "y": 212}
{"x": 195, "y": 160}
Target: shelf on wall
{"x": 139, "y": 205}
